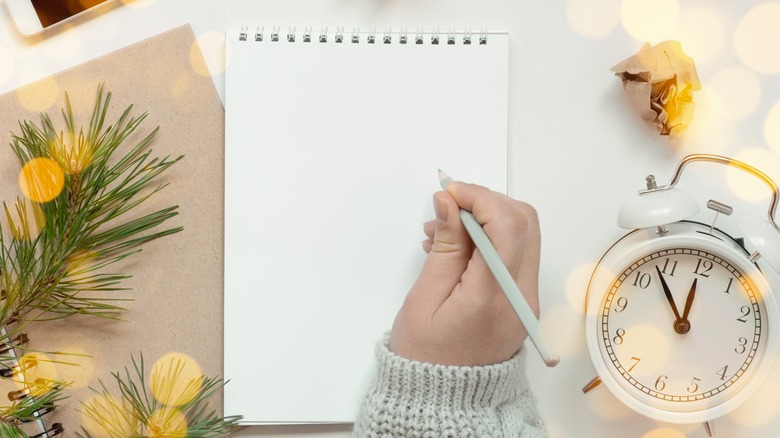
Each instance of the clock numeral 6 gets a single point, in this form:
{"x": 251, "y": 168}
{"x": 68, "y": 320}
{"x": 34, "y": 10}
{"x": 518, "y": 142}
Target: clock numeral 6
{"x": 693, "y": 386}
{"x": 742, "y": 347}
{"x": 660, "y": 383}
{"x": 619, "y": 333}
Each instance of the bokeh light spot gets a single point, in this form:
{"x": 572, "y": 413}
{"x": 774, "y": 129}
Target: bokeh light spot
{"x": 66, "y": 46}
{"x": 757, "y": 38}
{"x": 650, "y": 20}
{"x": 566, "y": 329}
{"x": 649, "y": 336}
{"x": 747, "y": 186}
{"x": 138, "y": 4}
{"x": 593, "y": 18}
{"x": 772, "y": 128}
{"x": 7, "y": 65}
{"x": 37, "y": 371}
{"x": 209, "y": 45}
{"x": 176, "y": 379}
{"x": 41, "y": 179}
{"x": 607, "y": 406}
{"x": 737, "y": 91}
{"x": 701, "y": 33}
{"x": 106, "y": 416}
{"x": 577, "y": 285}
{"x": 166, "y": 423}
{"x": 39, "y": 96}
{"x": 664, "y": 432}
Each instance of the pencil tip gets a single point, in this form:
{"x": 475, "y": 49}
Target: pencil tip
{"x": 444, "y": 179}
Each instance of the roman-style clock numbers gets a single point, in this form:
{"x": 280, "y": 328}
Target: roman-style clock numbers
{"x": 681, "y": 321}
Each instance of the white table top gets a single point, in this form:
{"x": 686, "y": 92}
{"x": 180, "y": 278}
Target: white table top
{"x": 577, "y": 151}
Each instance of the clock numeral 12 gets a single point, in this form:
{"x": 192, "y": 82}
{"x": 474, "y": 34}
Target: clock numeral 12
{"x": 703, "y": 268}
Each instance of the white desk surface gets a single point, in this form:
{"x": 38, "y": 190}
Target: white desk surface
{"x": 576, "y": 150}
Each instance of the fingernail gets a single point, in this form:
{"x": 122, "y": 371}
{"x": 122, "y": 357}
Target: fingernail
{"x": 440, "y": 207}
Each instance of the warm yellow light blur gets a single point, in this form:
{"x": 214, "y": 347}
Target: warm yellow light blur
{"x": 737, "y": 91}
{"x": 176, "y": 379}
{"x": 593, "y": 18}
{"x": 66, "y": 46}
{"x": 747, "y": 186}
{"x": 107, "y": 417}
{"x": 650, "y": 20}
{"x": 168, "y": 423}
{"x": 650, "y": 338}
{"x": 605, "y": 405}
{"x": 762, "y": 407}
{"x": 39, "y": 96}
{"x": 41, "y": 179}
{"x": 138, "y": 4}
{"x": 7, "y": 66}
{"x": 36, "y": 371}
{"x": 566, "y": 329}
{"x": 701, "y": 33}
{"x": 772, "y": 128}
{"x": 709, "y": 132}
{"x": 577, "y": 286}
{"x": 757, "y": 38}
{"x": 664, "y": 432}
{"x": 72, "y": 154}
{"x": 211, "y": 45}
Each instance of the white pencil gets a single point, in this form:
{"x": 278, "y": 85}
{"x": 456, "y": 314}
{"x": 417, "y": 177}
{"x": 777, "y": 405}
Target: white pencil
{"x": 505, "y": 280}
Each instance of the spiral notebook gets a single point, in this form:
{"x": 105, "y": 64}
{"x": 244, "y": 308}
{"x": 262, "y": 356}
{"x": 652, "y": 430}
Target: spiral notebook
{"x": 333, "y": 141}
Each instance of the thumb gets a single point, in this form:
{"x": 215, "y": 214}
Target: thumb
{"x": 451, "y": 250}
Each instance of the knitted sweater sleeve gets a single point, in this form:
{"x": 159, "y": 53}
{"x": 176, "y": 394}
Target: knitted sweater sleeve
{"x": 415, "y": 399}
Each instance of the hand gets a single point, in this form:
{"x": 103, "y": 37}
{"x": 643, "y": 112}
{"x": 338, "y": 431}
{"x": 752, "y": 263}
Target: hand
{"x": 684, "y": 325}
{"x": 456, "y": 313}
{"x": 669, "y": 297}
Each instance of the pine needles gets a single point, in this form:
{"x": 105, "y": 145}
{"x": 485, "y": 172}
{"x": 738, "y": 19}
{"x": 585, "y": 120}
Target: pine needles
{"x": 78, "y": 217}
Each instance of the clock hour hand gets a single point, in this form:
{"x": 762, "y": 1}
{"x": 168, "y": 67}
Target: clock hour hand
{"x": 669, "y": 297}
{"x": 682, "y": 326}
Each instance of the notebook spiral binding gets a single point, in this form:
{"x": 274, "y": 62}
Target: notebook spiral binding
{"x": 8, "y": 349}
{"x": 388, "y": 36}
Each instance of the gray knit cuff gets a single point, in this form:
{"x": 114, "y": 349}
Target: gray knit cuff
{"x": 410, "y": 398}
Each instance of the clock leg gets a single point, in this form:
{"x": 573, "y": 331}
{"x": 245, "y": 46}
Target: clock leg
{"x": 708, "y": 426}
{"x": 593, "y": 384}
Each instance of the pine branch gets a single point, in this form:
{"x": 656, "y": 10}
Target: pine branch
{"x": 90, "y": 216}
{"x": 171, "y": 407}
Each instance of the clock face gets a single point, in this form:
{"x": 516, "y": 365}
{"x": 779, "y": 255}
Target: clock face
{"x": 682, "y": 329}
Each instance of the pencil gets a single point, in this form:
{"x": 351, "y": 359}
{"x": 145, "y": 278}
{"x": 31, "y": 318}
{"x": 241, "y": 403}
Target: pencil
{"x": 505, "y": 280}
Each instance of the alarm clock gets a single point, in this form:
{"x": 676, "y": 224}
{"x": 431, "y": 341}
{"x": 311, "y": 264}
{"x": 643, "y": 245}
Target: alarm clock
{"x": 681, "y": 318}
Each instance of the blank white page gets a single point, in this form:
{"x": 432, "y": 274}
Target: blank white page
{"x": 331, "y": 158}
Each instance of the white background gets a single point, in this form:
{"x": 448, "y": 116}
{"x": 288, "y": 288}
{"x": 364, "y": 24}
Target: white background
{"x": 577, "y": 150}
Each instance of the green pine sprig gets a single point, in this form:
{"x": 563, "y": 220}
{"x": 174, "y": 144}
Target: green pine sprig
{"x": 55, "y": 262}
{"x": 171, "y": 407}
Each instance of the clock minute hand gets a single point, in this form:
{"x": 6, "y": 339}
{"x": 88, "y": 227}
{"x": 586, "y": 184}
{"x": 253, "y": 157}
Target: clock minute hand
{"x": 683, "y": 326}
{"x": 669, "y": 296}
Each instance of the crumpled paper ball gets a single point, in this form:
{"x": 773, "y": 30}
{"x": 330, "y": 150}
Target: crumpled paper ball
{"x": 659, "y": 82}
